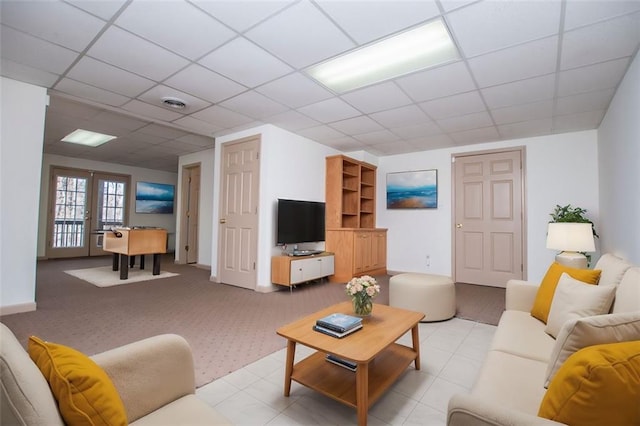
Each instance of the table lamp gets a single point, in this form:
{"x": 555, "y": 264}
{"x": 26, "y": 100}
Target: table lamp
{"x": 571, "y": 238}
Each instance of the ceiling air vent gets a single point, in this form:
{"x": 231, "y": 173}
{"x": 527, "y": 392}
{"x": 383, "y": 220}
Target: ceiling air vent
{"x": 174, "y": 103}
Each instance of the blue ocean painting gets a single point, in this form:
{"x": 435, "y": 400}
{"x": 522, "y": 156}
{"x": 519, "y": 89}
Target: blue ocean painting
{"x": 412, "y": 190}
{"x": 154, "y": 198}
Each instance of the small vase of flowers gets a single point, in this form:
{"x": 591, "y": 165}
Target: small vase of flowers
{"x": 362, "y": 291}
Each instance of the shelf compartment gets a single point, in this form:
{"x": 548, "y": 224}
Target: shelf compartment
{"x": 340, "y": 384}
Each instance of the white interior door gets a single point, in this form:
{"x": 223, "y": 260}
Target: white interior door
{"x": 190, "y": 218}
{"x": 240, "y": 170}
{"x": 488, "y": 218}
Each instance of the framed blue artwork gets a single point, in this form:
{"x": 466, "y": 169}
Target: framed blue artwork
{"x": 154, "y": 198}
{"x": 412, "y": 190}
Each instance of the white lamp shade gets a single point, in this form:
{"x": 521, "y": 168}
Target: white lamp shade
{"x": 568, "y": 236}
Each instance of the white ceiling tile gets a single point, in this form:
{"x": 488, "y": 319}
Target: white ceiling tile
{"x": 438, "y": 82}
{"x": 400, "y": 117}
{"x": 237, "y": 60}
{"x": 151, "y": 111}
{"x": 580, "y": 12}
{"x": 431, "y": 142}
{"x": 377, "y": 98}
{"x": 177, "y": 26}
{"x": 74, "y": 109}
{"x": 612, "y": 39}
{"x": 160, "y": 131}
{"x": 487, "y": 134}
{"x": 395, "y": 147}
{"x": 592, "y": 101}
{"x": 330, "y": 110}
{"x": 156, "y": 63}
{"x": 82, "y": 90}
{"x": 526, "y": 129}
{"x": 222, "y": 117}
{"x": 377, "y": 137}
{"x": 195, "y": 125}
{"x": 108, "y": 77}
{"x": 33, "y": 52}
{"x": 449, "y": 5}
{"x": 464, "y": 103}
{"x": 54, "y": 21}
{"x": 491, "y": 25}
{"x": 368, "y": 21}
{"x": 465, "y": 122}
{"x": 104, "y": 9}
{"x": 154, "y": 97}
{"x": 581, "y": 121}
{"x": 21, "y": 72}
{"x": 254, "y": 105}
{"x": 593, "y": 77}
{"x": 287, "y": 36}
{"x": 240, "y": 15}
{"x": 417, "y": 131}
{"x": 293, "y": 121}
{"x": 320, "y": 133}
{"x": 294, "y": 90}
{"x": 120, "y": 120}
{"x": 345, "y": 144}
{"x": 516, "y": 63}
{"x": 203, "y": 83}
{"x": 199, "y": 140}
{"x": 356, "y": 125}
{"x": 520, "y": 92}
{"x": 532, "y": 111}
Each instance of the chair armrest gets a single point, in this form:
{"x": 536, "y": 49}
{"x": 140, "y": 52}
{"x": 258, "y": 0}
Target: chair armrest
{"x": 150, "y": 373}
{"x": 467, "y": 410}
{"x": 520, "y": 295}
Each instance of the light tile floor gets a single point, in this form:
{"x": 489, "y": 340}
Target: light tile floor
{"x": 451, "y": 355}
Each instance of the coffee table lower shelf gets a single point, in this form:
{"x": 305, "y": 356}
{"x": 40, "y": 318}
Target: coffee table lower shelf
{"x": 339, "y": 383}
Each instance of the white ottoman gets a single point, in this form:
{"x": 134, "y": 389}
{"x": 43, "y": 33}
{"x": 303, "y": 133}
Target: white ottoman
{"x": 433, "y": 295}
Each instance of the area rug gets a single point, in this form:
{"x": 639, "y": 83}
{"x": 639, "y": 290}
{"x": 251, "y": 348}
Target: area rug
{"x": 105, "y": 276}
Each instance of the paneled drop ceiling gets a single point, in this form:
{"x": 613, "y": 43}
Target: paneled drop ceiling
{"x": 526, "y": 68}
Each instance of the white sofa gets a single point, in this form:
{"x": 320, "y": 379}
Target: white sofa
{"x": 510, "y": 385}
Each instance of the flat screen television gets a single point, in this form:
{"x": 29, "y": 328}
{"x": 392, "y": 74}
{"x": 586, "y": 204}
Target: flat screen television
{"x": 300, "y": 221}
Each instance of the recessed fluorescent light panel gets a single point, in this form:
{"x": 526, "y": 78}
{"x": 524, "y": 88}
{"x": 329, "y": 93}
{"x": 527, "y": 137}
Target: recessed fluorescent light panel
{"x": 87, "y": 138}
{"x": 413, "y": 50}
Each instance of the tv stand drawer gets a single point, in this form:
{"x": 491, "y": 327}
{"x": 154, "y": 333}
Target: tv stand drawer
{"x": 288, "y": 270}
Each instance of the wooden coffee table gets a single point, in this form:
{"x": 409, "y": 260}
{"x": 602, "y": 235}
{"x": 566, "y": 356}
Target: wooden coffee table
{"x": 379, "y": 358}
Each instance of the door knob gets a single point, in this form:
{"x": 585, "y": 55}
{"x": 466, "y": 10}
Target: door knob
{"x": 223, "y": 220}
{"x": 458, "y": 225}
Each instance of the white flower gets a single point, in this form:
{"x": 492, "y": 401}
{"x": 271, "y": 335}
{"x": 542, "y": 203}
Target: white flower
{"x": 364, "y": 286}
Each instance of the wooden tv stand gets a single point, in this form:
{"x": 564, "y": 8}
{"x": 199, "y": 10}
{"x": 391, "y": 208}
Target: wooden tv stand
{"x": 290, "y": 270}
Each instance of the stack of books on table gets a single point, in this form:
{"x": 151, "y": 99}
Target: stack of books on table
{"x": 338, "y": 325}
{"x": 349, "y": 365}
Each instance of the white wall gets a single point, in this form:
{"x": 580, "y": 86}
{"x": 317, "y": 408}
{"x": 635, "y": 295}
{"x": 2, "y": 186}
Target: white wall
{"x": 167, "y": 221}
{"x": 619, "y": 157}
{"x": 205, "y": 210}
{"x": 22, "y": 111}
{"x": 560, "y": 169}
{"x": 290, "y": 167}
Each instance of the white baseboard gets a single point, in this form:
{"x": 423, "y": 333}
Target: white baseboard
{"x": 17, "y": 309}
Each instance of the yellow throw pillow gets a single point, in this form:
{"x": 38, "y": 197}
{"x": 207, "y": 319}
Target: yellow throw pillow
{"x": 544, "y": 297}
{"x": 598, "y": 385}
{"x": 85, "y": 394}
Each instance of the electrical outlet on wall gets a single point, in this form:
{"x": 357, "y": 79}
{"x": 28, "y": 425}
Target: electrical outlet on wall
{"x": 428, "y": 261}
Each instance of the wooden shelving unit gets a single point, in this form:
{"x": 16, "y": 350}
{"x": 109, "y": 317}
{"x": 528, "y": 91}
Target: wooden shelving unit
{"x": 351, "y": 233}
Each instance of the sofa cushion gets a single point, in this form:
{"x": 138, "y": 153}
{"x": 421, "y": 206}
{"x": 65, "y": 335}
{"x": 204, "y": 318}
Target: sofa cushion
{"x": 519, "y": 333}
{"x": 573, "y": 299}
{"x": 628, "y": 292}
{"x": 25, "y": 397}
{"x": 186, "y": 411}
{"x": 598, "y": 385}
{"x": 613, "y": 269}
{"x": 512, "y": 381}
{"x": 579, "y": 333}
{"x": 544, "y": 296}
{"x": 85, "y": 394}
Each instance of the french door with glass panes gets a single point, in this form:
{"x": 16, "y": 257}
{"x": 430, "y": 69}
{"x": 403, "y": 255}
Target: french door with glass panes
{"x": 82, "y": 206}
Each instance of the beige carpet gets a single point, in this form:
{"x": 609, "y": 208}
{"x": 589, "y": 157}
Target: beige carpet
{"x": 227, "y": 327}
{"x": 105, "y": 276}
